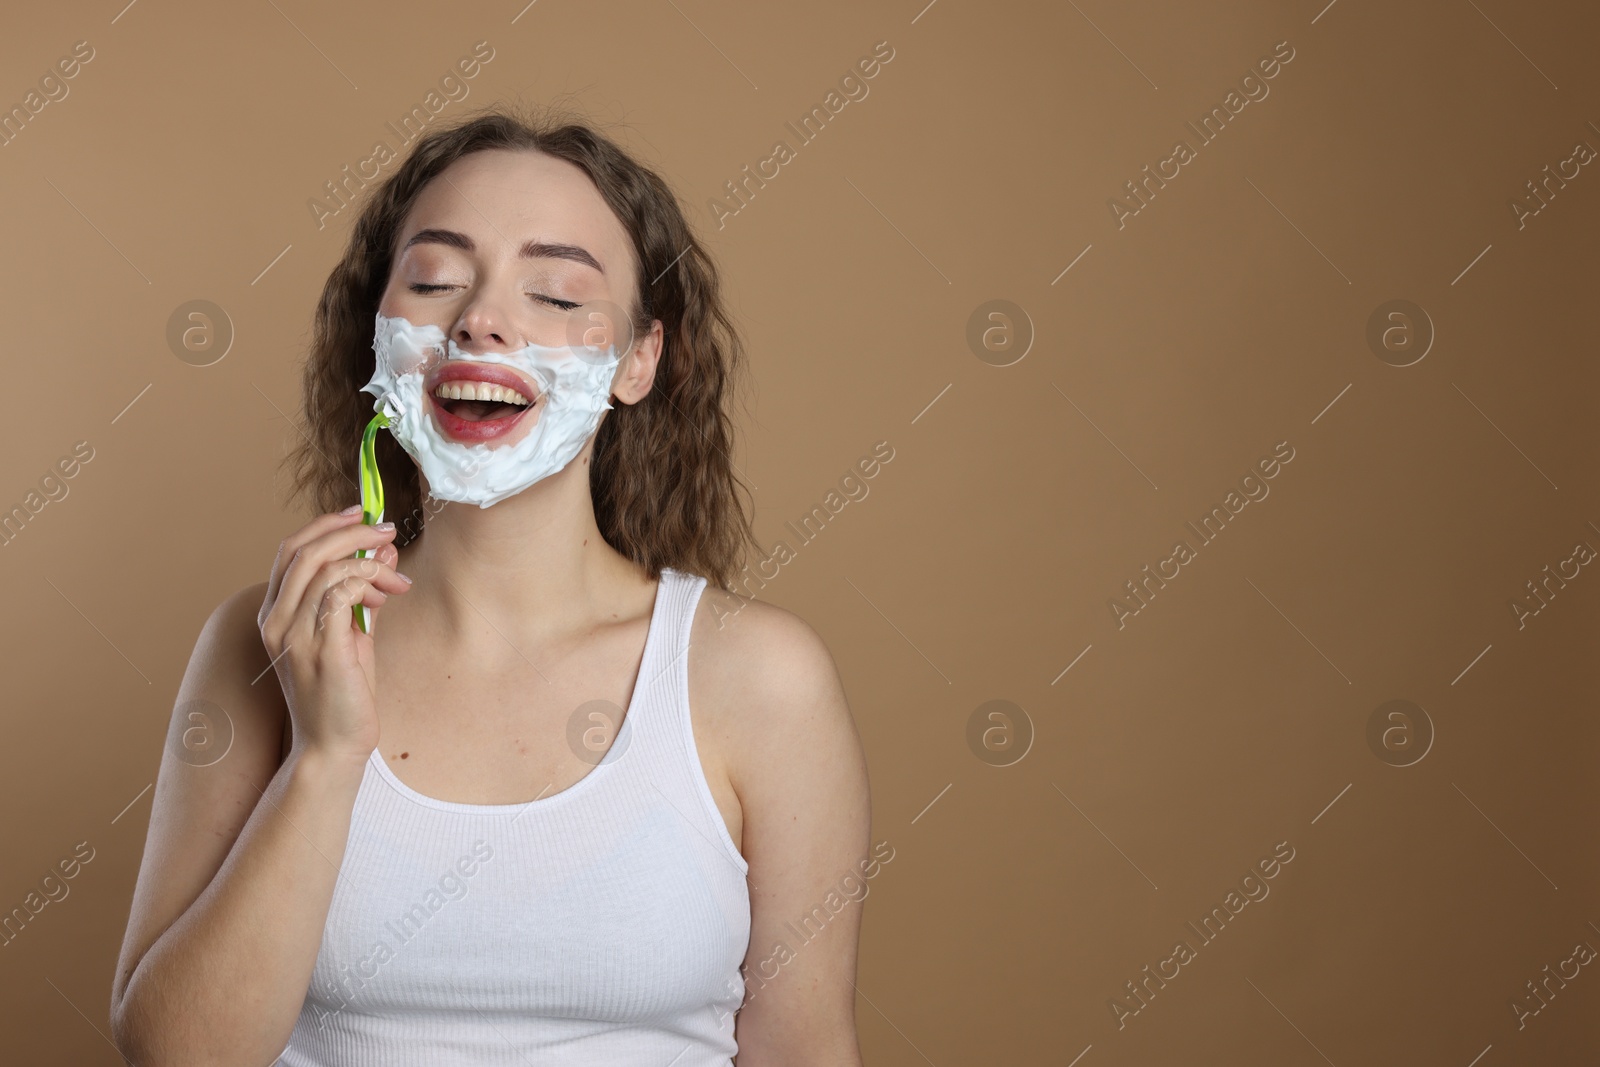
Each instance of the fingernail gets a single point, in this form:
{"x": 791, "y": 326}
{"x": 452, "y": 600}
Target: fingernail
{"x": 385, "y": 527}
{"x": 403, "y": 578}
{"x": 353, "y": 509}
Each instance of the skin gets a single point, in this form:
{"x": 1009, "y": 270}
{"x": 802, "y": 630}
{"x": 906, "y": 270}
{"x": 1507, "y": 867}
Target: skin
{"x": 512, "y": 616}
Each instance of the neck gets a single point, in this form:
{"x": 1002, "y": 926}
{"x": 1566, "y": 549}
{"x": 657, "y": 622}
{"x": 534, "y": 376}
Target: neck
{"x": 533, "y": 566}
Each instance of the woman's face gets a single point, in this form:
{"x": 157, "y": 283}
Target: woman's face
{"x": 509, "y": 248}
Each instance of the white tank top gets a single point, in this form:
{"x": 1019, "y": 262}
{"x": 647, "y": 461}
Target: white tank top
{"x": 604, "y": 924}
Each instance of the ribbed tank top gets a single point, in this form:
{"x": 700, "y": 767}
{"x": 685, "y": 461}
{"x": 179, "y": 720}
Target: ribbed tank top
{"x": 604, "y": 924}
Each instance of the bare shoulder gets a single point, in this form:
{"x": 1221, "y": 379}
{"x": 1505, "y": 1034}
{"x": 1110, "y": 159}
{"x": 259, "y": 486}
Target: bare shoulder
{"x": 766, "y": 681}
{"x": 230, "y": 682}
{"x": 234, "y": 627}
{"x": 230, "y": 665}
{"x": 741, "y": 633}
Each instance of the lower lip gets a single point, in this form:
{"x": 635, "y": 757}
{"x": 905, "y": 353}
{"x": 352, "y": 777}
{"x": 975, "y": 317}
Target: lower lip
{"x": 475, "y": 432}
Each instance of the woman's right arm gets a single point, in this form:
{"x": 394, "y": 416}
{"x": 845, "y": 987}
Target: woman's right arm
{"x": 242, "y": 854}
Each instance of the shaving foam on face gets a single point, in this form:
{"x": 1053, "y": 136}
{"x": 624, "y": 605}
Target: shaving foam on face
{"x": 575, "y": 381}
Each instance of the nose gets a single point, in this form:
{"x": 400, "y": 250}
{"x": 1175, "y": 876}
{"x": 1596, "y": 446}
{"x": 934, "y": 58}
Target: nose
{"x": 485, "y": 327}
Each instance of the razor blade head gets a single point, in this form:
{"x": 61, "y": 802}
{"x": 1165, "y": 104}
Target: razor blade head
{"x": 391, "y": 407}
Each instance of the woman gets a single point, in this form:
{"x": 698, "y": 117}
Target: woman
{"x": 513, "y": 868}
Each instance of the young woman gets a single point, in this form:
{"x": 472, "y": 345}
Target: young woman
{"x": 564, "y": 787}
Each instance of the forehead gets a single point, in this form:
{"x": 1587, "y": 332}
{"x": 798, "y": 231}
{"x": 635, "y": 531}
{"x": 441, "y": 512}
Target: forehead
{"x": 501, "y": 198}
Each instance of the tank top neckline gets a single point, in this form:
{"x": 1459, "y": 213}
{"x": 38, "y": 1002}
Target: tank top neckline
{"x": 619, "y": 743}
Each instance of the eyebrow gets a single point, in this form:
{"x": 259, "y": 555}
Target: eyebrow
{"x": 534, "y": 249}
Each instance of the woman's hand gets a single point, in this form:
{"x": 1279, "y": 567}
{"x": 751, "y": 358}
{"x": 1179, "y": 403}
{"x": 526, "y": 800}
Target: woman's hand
{"x": 324, "y": 662}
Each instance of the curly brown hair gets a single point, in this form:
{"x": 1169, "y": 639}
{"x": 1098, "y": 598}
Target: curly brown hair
{"x": 665, "y": 492}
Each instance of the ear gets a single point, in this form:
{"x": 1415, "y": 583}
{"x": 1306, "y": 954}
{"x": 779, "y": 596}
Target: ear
{"x": 637, "y": 371}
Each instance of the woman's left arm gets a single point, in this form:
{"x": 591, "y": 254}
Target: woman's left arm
{"x": 796, "y": 763}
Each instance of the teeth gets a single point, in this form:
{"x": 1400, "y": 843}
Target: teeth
{"x": 465, "y": 389}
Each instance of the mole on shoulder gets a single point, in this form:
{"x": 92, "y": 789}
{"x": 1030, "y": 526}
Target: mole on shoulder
{"x": 405, "y": 755}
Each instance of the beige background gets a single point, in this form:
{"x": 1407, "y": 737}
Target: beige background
{"x": 1230, "y": 314}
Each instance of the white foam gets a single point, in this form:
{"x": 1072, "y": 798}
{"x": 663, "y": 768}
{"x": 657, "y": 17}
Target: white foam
{"x": 576, "y": 381}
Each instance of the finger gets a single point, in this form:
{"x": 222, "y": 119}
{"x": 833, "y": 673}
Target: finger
{"x": 317, "y": 527}
{"x": 374, "y": 572}
{"x": 338, "y": 543}
{"x": 334, "y": 617}
{"x": 371, "y": 574}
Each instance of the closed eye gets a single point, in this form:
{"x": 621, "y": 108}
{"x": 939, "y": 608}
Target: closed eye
{"x": 564, "y": 305}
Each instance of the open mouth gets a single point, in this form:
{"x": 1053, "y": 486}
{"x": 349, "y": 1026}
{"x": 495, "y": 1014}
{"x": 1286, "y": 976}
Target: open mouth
{"x": 479, "y": 402}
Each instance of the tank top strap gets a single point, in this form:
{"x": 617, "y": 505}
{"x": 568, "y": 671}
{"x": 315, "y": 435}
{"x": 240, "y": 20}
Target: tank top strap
{"x": 660, "y": 697}
{"x": 661, "y": 745}
{"x": 682, "y": 592}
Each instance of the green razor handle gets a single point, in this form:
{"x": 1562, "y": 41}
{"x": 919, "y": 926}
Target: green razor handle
{"x": 371, "y": 499}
